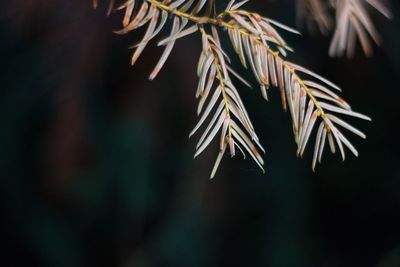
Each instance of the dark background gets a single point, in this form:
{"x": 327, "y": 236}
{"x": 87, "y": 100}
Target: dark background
{"x": 96, "y": 168}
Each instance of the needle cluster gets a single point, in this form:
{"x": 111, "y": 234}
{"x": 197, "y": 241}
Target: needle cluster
{"x": 311, "y": 100}
{"x": 352, "y": 22}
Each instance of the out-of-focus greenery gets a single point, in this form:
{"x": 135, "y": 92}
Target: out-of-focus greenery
{"x": 96, "y": 168}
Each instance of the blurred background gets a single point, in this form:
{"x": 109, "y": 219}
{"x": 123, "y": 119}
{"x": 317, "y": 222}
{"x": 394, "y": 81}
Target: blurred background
{"x": 96, "y": 168}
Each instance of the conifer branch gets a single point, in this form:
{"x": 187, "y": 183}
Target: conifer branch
{"x": 311, "y": 101}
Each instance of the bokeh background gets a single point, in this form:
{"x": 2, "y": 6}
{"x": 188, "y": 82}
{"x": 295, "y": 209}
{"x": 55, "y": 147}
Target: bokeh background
{"x": 96, "y": 168}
